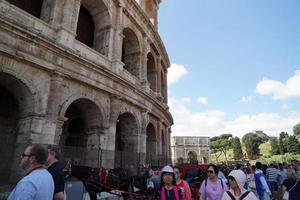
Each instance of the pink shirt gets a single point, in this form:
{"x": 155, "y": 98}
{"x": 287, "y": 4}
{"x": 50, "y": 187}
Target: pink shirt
{"x": 186, "y": 189}
{"x": 212, "y": 190}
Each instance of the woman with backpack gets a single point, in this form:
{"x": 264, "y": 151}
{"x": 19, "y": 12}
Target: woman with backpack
{"x": 237, "y": 180}
{"x": 291, "y": 185}
{"x": 212, "y": 188}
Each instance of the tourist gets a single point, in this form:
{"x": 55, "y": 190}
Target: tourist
{"x": 182, "y": 185}
{"x": 273, "y": 177}
{"x": 56, "y": 170}
{"x": 292, "y": 185}
{"x": 237, "y": 180}
{"x": 212, "y": 188}
{"x": 169, "y": 190}
{"x": 38, "y": 183}
{"x": 262, "y": 187}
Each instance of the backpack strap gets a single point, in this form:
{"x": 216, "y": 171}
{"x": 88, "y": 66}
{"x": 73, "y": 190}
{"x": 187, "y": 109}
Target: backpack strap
{"x": 293, "y": 186}
{"x": 222, "y": 184}
{"x": 205, "y": 184}
{"x": 231, "y": 195}
{"x": 244, "y": 195}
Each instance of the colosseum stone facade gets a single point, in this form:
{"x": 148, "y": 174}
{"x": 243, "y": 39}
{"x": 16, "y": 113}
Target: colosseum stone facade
{"x": 87, "y": 75}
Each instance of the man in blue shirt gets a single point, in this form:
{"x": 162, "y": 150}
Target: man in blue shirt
{"x": 38, "y": 183}
{"x": 262, "y": 186}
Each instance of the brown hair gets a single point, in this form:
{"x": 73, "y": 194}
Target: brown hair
{"x": 291, "y": 174}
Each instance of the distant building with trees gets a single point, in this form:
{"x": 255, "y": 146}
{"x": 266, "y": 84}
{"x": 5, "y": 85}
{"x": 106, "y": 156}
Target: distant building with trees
{"x": 190, "y": 149}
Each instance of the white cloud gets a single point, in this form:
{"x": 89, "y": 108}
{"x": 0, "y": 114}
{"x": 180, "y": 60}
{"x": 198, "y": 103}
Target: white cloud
{"x": 284, "y": 107}
{"x": 175, "y": 72}
{"x": 279, "y": 90}
{"x": 214, "y": 122}
{"x": 246, "y": 99}
{"x": 202, "y": 100}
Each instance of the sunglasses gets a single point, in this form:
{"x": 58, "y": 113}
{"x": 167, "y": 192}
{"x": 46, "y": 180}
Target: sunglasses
{"x": 25, "y": 155}
{"x": 210, "y": 171}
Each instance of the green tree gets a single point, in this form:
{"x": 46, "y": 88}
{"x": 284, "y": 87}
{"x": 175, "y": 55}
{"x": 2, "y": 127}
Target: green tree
{"x": 293, "y": 145}
{"x": 274, "y": 146}
{"x": 237, "y": 148}
{"x": 215, "y": 150}
{"x": 220, "y": 144}
{"x": 296, "y": 129}
{"x": 282, "y": 143}
{"x": 252, "y": 142}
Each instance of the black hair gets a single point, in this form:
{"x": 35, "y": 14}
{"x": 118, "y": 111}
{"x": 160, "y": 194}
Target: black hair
{"x": 216, "y": 169}
{"x": 39, "y": 152}
{"x": 258, "y": 165}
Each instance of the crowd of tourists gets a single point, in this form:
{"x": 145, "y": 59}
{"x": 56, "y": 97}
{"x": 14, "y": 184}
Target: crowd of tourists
{"x": 240, "y": 182}
{"x": 224, "y": 182}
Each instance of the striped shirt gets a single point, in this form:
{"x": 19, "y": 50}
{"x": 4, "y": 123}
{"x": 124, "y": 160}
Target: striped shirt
{"x": 272, "y": 174}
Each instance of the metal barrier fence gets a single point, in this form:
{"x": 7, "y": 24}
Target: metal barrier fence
{"x": 97, "y": 157}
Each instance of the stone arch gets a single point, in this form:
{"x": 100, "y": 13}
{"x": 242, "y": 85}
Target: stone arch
{"x": 33, "y": 7}
{"x": 126, "y": 140}
{"x": 16, "y": 102}
{"x": 151, "y": 72}
{"x": 192, "y": 157}
{"x": 204, "y": 160}
{"x": 84, "y": 117}
{"x": 98, "y": 16}
{"x": 131, "y": 52}
{"x": 151, "y": 141}
{"x": 126, "y": 133}
{"x": 84, "y": 120}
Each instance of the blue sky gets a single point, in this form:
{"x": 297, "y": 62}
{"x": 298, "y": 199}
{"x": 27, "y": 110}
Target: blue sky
{"x": 240, "y": 57}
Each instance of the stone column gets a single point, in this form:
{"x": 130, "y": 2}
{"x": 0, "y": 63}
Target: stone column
{"x": 117, "y": 40}
{"x": 166, "y": 86}
{"x": 52, "y": 12}
{"x": 95, "y": 144}
{"x": 53, "y": 122}
{"x": 144, "y": 82}
{"x": 29, "y": 130}
{"x": 67, "y": 30}
{"x": 158, "y": 75}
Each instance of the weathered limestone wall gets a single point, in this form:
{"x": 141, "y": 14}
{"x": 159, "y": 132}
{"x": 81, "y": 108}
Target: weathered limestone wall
{"x": 49, "y": 80}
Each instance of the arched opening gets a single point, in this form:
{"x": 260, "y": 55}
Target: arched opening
{"x": 33, "y": 7}
{"x": 85, "y": 27}
{"x": 16, "y": 102}
{"x": 84, "y": 118}
{"x": 150, "y": 144}
{"x": 126, "y": 139}
{"x": 204, "y": 160}
{"x": 8, "y": 121}
{"x": 151, "y": 72}
{"x": 192, "y": 157}
{"x": 131, "y": 52}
